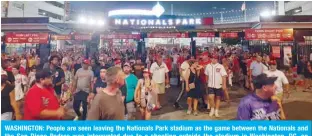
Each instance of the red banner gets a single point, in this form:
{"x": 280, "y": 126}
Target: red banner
{"x": 208, "y": 34}
{"x": 167, "y": 35}
{"x": 229, "y": 35}
{"x": 207, "y": 21}
{"x": 269, "y": 34}
{"x": 276, "y": 51}
{"x": 61, "y": 37}
{"x": 27, "y": 38}
{"x": 83, "y": 37}
{"x": 121, "y": 36}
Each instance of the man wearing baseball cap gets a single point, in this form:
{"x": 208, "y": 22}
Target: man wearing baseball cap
{"x": 128, "y": 91}
{"x": 281, "y": 80}
{"x": 262, "y": 104}
{"x": 216, "y": 76}
{"x": 82, "y": 88}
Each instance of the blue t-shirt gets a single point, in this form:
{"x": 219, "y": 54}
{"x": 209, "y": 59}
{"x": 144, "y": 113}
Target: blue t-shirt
{"x": 252, "y": 107}
{"x": 131, "y": 83}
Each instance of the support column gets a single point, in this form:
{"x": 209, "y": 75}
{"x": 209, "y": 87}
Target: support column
{"x": 60, "y": 45}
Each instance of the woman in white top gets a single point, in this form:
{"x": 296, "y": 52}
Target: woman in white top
{"x": 146, "y": 95}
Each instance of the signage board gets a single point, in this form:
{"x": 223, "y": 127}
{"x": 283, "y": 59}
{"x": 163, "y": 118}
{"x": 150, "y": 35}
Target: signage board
{"x": 174, "y": 21}
{"x": 61, "y": 37}
{"x": 229, "y": 35}
{"x": 269, "y": 34}
{"x": 83, "y": 37}
{"x": 167, "y": 35}
{"x": 206, "y": 34}
{"x": 120, "y": 36}
{"x": 276, "y": 51}
{"x": 41, "y": 38}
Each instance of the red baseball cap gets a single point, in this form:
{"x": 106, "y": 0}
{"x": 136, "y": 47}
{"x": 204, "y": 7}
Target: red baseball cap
{"x": 272, "y": 62}
{"x": 86, "y": 61}
{"x": 117, "y": 62}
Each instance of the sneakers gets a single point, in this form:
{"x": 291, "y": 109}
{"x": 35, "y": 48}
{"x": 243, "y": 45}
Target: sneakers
{"x": 195, "y": 113}
{"x": 76, "y": 118}
{"x": 211, "y": 113}
{"x": 217, "y": 115}
{"x": 177, "y": 105}
{"x": 189, "y": 112}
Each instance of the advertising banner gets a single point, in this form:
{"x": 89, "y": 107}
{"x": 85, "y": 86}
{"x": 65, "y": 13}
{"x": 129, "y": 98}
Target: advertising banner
{"x": 61, "y": 37}
{"x": 287, "y": 50}
{"x": 269, "y": 34}
{"x": 121, "y": 36}
{"x": 83, "y": 37}
{"x": 229, "y": 35}
{"x": 276, "y": 51}
{"x": 27, "y": 38}
{"x": 206, "y": 34}
{"x": 167, "y": 35}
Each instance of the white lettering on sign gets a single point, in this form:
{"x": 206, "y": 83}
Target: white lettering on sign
{"x": 178, "y": 21}
{"x": 164, "y": 22}
{"x": 125, "y": 22}
{"x": 132, "y": 21}
{"x": 143, "y": 22}
{"x": 159, "y": 22}
{"x": 192, "y": 21}
{"x": 184, "y": 22}
{"x": 150, "y": 22}
{"x": 170, "y": 21}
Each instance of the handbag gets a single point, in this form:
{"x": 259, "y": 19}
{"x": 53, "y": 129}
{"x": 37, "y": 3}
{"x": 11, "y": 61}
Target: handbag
{"x": 192, "y": 85}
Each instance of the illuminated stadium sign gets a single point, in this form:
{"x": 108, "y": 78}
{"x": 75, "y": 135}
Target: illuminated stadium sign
{"x": 157, "y": 22}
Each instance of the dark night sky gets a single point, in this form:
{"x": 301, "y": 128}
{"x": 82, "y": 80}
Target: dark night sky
{"x": 178, "y": 7}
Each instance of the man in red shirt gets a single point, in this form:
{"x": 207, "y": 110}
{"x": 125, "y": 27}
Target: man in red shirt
{"x": 203, "y": 78}
{"x": 41, "y": 102}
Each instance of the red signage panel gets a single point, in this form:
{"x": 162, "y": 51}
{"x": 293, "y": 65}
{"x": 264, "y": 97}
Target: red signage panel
{"x": 229, "y": 35}
{"x": 206, "y": 34}
{"x": 269, "y": 34}
{"x": 61, "y": 37}
{"x": 121, "y": 36}
{"x": 83, "y": 37}
{"x": 276, "y": 51}
{"x": 207, "y": 21}
{"x": 27, "y": 38}
{"x": 168, "y": 35}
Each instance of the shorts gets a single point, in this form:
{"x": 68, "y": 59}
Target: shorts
{"x": 217, "y": 92}
{"x": 161, "y": 88}
{"x": 130, "y": 107}
{"x": 7, "y": 116}
{"x": 279, "y": 95}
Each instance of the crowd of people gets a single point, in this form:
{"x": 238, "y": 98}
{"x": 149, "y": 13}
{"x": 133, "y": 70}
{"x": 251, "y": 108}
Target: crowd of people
{"x": 115, "y": 84}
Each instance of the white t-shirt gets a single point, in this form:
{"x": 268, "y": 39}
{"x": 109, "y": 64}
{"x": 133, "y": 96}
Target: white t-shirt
{"x": 184, "y": 66}
{"x": 281, "y": 79}
{"x": 175, "y": 58}
{"x": 19, "y": 81}
{"x": 265, "y": 68}
{"x": 311, "y": 57}
{"x": 215, "y": 72}
{"x": 159, "y": 72}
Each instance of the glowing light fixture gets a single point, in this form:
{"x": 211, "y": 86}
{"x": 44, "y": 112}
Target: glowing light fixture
{"x": 157, "y": 11}
{"x": 82, "y": 20}
{"x": 100, "y": 22}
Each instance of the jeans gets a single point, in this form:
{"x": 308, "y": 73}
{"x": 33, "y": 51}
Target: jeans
{"x": 81, "y": 97}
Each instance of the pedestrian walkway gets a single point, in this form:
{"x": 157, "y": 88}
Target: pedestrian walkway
{"x": 297, "y": 107}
